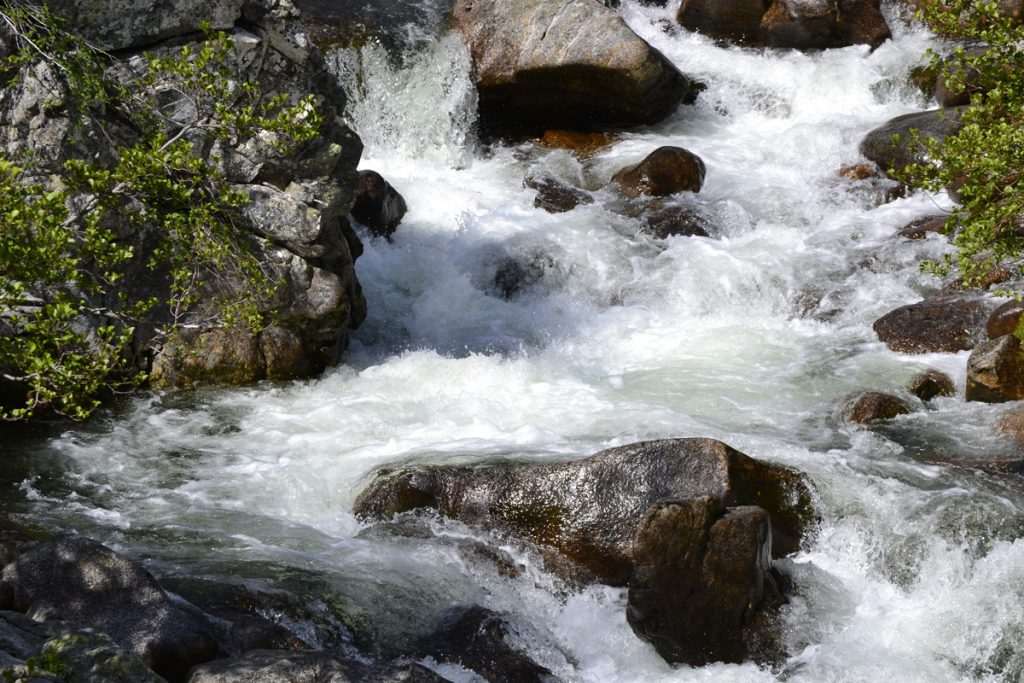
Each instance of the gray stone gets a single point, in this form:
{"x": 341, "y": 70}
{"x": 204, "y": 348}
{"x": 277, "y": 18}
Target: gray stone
{"x": 80, "y": 581}
{"x": 946, "y": 323}
{"x": 565, "y": 64}
{"x": 273, "y": 666}
{"x": 879, "y": 146}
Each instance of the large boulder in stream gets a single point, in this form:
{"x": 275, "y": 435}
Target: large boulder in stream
{"x": 995, "y": 371}
{"x": 80, "y": 581}
{"x": 787, "y": 24}
{"x": 571, "y": 64}
{"x": 378, "y": 205}
{"x": 940, "y": 324}
{"x": 588, "y": 509}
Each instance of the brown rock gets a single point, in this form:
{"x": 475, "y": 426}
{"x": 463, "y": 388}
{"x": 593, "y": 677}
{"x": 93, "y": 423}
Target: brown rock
{"x": 824, "y": 24}
{"x": 738, "y": 21}
{"x": 879, "y": 147}
{"x": 223, "y": 356}
{"x": 995, "y": 371}
{"x": 283, "y": 354}
{"x": 555, "y": 197}
{"x": 1004, "y": 320}
{"x": 952, "y": 322}
{"x": 921, "y": 228}
{"x": 857, "y": 171}
{"x": 588, "y": 509}
{"x": 1012, "y": 424}
{"x": 581, "y": 144}
{"x": 665, "y": 171}
{"x": 928, "y": 384}
{"x": 871, "y": 406}
{"x": 703, "y": 581}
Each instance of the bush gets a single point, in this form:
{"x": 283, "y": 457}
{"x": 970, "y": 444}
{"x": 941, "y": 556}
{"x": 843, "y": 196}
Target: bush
{"x": 66, "y": 241}
{"x": 982, "y": 163}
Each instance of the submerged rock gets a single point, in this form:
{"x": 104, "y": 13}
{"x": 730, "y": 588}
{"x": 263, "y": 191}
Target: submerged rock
{"x": 571, "y": 64}
{"x": 674, "y": 221}
{"x": 928, "y": 384}
{"x": 945, "y": 323}
{"x": 995, "y": 371}
{"x": 871, "y": 406}
{"x": 378, "y": 205}
{"x": 556, "y": 197}
{"x": 663, "y": 172}
{"x": 703, "y": 583}
{"x": 588, "y": 510}
{"x": 80, "y": 581}
{"x": 477, "y": 638}
{"x": 921, "y": 228}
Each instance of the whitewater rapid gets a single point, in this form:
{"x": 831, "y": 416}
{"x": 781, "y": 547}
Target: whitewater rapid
{"x": 753, "y": 336}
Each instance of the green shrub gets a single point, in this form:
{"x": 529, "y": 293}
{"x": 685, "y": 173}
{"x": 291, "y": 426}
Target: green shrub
{"x": 63, "y": 246}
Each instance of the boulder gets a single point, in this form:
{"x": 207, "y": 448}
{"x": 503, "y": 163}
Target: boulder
{"x": 82, "y": 656}
{"x": 1004, "y": 319}
{"x": 476, "y": 638}
{"x": 588, "y": 509}
{"x": 571, "y": 64}
{"x": 703, "y": 585}
{"x": 995, "y": 371}
{"x": 946, "y": 323}
{"x": 274, "y": 666}
{"x": 928, "y": 384}
{"x": 880, "y": 147}
{"x": 378, "y": 205}
{"x": 556, "y": 197}
{"x": 80, "y": 581}
{"x": 665, "y": 171}
{"x": 871, "y": 406}
{"x": 786, "y": 23}
{"x": 922, "y": 227}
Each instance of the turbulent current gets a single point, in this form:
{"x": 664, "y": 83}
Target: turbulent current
{"x": 753, "y": 336}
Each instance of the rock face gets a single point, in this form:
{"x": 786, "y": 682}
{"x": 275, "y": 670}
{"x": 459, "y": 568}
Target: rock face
{"x": 787, "y": 24}
{"x": 295, "y": 222}
{"x": 871, "y": 406}
{"x": 665, "y": 171}
{"x": 564, "y": 64}
{"x": 878, "y": 145}
{"x": 995, "y": 371}
{"x": 947, "y": 323}
{"x": 703, "y": 582}
{"x": 588, "y": 510}
{"x": 80, "y": 581}
{"x": 378, "y": 206}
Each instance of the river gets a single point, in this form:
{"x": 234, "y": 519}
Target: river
{"x": 753, "y": 336}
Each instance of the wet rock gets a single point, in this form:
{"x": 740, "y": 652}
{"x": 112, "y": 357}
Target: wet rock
{"x": 857, "y": 171}
{"x": 995, "y": 371}
{"x": 880, "y": 147}
{"x": 1004, "y": 320}
{"x": 665, "y": 171}
{"x": 947, "y": 323}
{"x": 1012, "y": 424}
{"x": 283, "y": 353}
{"x": 273, "y": 666}
{"x": 921, "y": 228}
{"x": 22, "y": 636}
{"x": 674, "y": 221}
{"x": 787, "y": 24}
{"x": 871, "y": 406}
{"x": 555, "y": 197}
{"x": 564, "y": 64}
{"x": 823, "y": 24}
{"x": 588, "y": 509}
{"x": 80, "y": 581}
{"x": 998, "y": 466}
{"x": 956, "y": 97}
{"x": 476, "y": 638}
{"x": 514, "y": 275}
{"x": 582, "y": 144}
{"x": 928, "y": 384}
{"x": 703, "y": 585}
{"x": 733, "y": 20}
{"x": 87, "y": 656}
{"x": 378, "y": 205}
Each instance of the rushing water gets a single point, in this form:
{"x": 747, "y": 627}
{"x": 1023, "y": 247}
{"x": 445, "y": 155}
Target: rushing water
{"x": 753, "y": 337}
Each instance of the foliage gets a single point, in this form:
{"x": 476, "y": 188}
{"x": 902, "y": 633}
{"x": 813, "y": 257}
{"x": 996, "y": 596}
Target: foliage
{"x": 67, "y": 241}
{"x": 982, "y": 163}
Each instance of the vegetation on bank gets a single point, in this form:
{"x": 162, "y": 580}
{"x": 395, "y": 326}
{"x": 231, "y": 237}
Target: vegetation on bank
{"x": 148, "y": 197}
{"x": 982, "y": 164}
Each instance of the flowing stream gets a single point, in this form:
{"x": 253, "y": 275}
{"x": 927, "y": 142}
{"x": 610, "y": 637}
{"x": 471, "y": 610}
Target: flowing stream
{"x": 753, "y": 336}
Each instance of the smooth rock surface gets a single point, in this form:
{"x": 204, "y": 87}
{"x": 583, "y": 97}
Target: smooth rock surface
{"x": 872, "y": 406}
{"x": 663, "y": 172}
